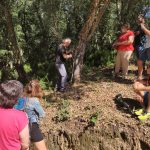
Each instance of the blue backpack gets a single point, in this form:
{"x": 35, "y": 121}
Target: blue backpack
{"x": 21, "y": 103}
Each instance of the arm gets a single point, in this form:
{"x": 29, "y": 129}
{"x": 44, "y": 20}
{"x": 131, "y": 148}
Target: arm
{"x": 39, "y": 109}
{"x": 146, "y": 89}
{"x": 24, "y": 137}
{"x": 146, "y": 31}
{"x": 140, "y": 87}
{"x": 67, "y": 56}
{"x": 62, "y": 52}
{"x": 137, "y": 33}
{"x": 128, "y": 42}
{"x": 114, "y": 44}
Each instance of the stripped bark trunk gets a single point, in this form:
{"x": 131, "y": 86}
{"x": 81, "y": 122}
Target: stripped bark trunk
{"x": 95, "y": 14}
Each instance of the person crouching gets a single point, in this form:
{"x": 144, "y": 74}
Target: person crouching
{"x": 142, "y": 89}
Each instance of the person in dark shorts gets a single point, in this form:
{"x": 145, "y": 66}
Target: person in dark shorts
{"x": 142, "y": 89}
{"x": 142, "y": 45}
{"x": 61, "y": 57}
{"x": 31, "y": 105}
{"x": 139, "y": 44}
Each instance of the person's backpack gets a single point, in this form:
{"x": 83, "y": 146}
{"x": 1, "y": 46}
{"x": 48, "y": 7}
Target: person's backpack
{"x": 21, "y": 103}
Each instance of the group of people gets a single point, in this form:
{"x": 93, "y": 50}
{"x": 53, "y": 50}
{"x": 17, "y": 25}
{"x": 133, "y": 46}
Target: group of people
{"x": 126, "y": 43}
{"x": 20, "y": 108}
{"x": 20, "y": 111}
{"x": 129, "y": 41}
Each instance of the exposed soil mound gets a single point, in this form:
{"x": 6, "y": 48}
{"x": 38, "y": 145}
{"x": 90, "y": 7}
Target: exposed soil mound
{"x": 70, "y": 125}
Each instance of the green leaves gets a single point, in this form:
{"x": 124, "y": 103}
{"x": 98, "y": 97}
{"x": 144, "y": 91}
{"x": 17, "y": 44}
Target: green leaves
{"x": 63, "y": 111}
{"x": 40, "y": 26}
{"x": 94, "y": 118}
{"x": 4, "y": 52}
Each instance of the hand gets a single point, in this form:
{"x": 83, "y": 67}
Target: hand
{"x": 118, "y": 43}
{"x": 114, "y": 45}
{"x": 138, "y": 86}
{"x": 70, "y": 56}
{"x": 142, "y": 25}
{"x": 139, "y": 99}
{"x": 137, "y": 32}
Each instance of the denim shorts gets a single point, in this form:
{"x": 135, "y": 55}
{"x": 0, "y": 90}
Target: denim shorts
{"x": 35, "y": 133}
{"x": 143, "y": 54}
{"x": 146, "y": 99}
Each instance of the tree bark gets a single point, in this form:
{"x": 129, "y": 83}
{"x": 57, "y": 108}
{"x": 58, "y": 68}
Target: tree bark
{"x": 95, "y": 14}
{"x": 12, "y": 35}
{"x": 13, "y": 44}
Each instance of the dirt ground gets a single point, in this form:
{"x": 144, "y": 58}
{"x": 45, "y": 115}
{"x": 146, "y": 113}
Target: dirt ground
{"x": 95, "y": 95}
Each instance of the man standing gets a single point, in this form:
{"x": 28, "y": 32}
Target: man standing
{"x": 139, "y": 43}
{"x": 61, "y": 57}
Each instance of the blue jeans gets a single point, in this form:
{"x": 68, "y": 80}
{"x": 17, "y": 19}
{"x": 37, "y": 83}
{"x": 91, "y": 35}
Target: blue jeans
{"x": 62, "y": 76}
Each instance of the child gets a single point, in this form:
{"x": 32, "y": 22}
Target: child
{"x": 142, "y": 89}
{"x": 32, "y": 107}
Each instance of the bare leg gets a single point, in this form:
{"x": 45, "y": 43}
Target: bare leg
{"x": 118, "y": 62}
{"x": 40, "y": 145}
{"x": 125, "y": 61}
{"x": 140, "y": 69}
{"x": 140, "y": 94}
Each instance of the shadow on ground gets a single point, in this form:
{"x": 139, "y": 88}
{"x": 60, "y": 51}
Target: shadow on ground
{"x": 106, "y": 74}
{"x": 131, "y": 105}
{"x": 144, "y": 146}
{"x": 93, "y": 75}
{"x": 72, "y": 93}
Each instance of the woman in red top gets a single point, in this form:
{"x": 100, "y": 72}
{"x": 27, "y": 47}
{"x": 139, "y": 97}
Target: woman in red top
{"x": 124, "y": 46}
{"x": 14, "y": 131}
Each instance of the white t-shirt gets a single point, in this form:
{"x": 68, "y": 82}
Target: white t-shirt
{"x": 147, "y": 41}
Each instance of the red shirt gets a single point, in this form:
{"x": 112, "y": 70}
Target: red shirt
{"x": 12, "y": 122}
{"x": 124, "y": 37}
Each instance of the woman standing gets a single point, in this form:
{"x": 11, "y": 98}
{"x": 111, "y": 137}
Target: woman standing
{"x": 124, "y": 46}
{"x": 14, "y": 131}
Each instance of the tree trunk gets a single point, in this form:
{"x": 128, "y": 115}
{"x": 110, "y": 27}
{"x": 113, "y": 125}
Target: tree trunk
{"x": 13, "y": 44}
{"x": 95, "y": 14}
{"x": 12, "y": 35}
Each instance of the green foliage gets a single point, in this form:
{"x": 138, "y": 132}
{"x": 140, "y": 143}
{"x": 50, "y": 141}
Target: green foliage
{"x": 27, "y": 68}
{"x": 3, "y": 52}
{"x": 45, "y": 83}
{"x": 63, "y": 112}
{"x": 41, "y": 24}
{"x": 94, "y": 118}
